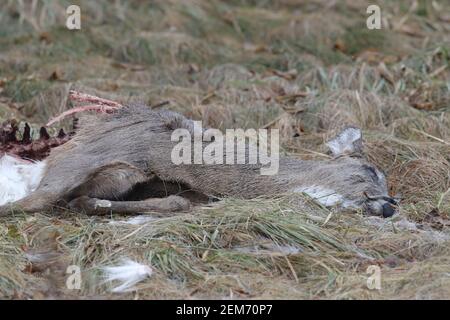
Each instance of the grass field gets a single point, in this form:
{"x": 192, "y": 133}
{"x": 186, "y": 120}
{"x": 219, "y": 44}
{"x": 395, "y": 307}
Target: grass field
{"x": 306, "y": 67}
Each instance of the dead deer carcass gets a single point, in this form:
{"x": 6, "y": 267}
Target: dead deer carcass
{"x": 113, "y": 155}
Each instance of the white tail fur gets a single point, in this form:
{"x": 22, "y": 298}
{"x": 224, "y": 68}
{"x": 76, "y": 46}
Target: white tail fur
{"x": 18, "y": 178}
{"x": 128, "y": 272}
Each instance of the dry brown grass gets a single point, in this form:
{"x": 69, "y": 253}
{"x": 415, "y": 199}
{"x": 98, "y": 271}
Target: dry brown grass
{"x": 305, "y": 67}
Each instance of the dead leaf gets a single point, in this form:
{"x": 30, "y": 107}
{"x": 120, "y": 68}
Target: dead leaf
{"x": 45, "y": 37}
{"x": 419, "y": 99}
{"x": 128, "y": 66}
{"x": 55, "y": 75}
{"x": 290, "y": 98}
{"x": 288, "y": 75}
{"x": 193, "y": 68}
{"x": 339, "y": 45}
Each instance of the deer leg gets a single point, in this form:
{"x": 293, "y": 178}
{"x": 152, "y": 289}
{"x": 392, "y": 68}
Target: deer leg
{"x": 103, "y": 192}
{"x": 109, "y": 181}
{"x": 36, "y": 202}
{"x": 94, "y": 206}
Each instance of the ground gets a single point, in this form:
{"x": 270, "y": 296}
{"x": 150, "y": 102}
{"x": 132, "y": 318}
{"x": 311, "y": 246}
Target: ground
{"x": 306, "y": 67}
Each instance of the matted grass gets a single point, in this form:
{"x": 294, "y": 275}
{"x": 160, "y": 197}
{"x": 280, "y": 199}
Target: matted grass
{"x": 306, "y": 67}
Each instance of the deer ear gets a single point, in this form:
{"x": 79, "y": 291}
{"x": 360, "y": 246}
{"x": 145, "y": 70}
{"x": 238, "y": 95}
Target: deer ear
{"x": 349, "y": 141}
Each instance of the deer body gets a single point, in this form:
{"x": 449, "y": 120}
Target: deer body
{"x": 113, "y": 153}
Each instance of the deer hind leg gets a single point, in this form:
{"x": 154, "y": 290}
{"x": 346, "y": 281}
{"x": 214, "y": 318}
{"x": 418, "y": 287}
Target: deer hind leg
{"x": 38, "y": 201}
{"x": 100, "y": 193}
{"x": 112, "y": 181}
{"x": 94, "y": 206}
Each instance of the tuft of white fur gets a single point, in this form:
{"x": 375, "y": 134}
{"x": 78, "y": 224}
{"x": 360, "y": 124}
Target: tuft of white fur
{"x": 128, "y": 272}
{"x": 324, "y": 196}
{"x": 18, "y": 178}
{"x": 135, "y": 220}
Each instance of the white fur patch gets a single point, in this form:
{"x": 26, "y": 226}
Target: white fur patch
{"x": 103, "y": 204}
{"x": 128, "y": 273}
{"x": 138, "y": 220}
{"x": 324, "y": 196}
{"x": 18, "y": 178}
{"x": 344, "y": 141}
